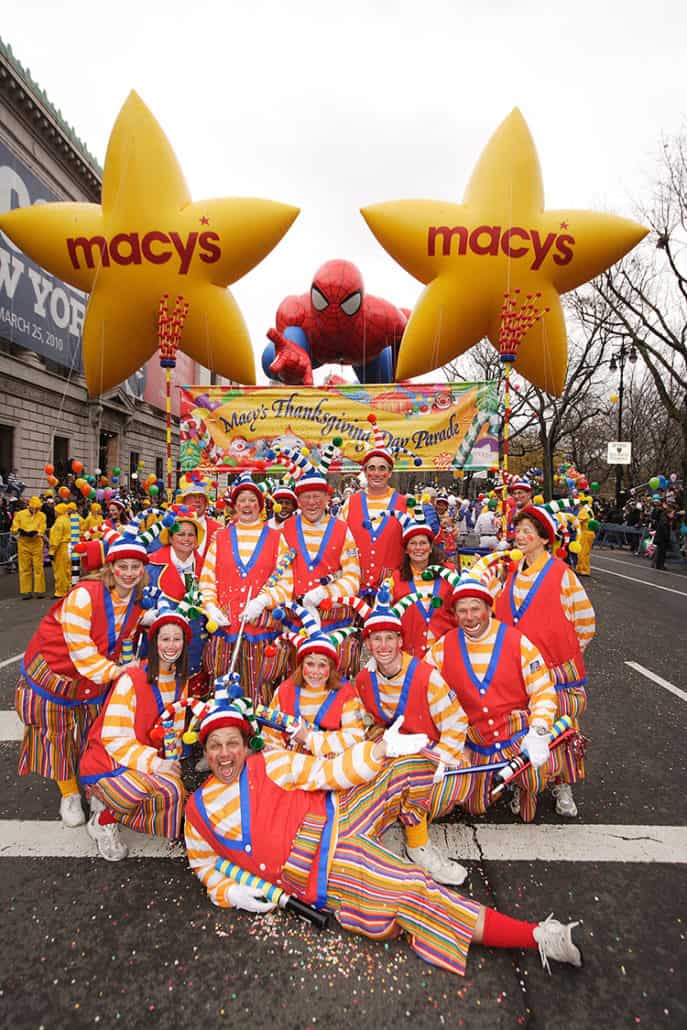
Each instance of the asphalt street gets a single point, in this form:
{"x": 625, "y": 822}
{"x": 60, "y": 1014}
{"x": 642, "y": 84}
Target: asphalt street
{"x": 88, "y": 943}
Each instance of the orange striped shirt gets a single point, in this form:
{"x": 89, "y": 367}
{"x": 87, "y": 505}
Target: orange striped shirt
{"x": 75, "y": 616}
{"x": 446, "y": 711}
{"x": 355, "y": 721}
{"x": 118, "y": 732}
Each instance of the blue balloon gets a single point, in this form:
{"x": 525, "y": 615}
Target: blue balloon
{"x": 662, "y": 482}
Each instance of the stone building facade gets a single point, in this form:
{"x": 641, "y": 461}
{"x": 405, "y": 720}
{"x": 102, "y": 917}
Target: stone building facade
{"x": 46, "y": 415}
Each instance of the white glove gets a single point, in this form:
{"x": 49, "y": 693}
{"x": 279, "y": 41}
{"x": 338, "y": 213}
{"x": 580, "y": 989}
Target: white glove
{"x": 315, "y": 597}
{"x": 148, "y": 618}
{"x": 439, "y": 773}
{"x": 399, "y": 744}
{"x": 537, "y": 747}
{"x": 214, "y": 614}
{"x": 254, "y": 609}
{"x": 371, "y": 664}
{"x": 250, "y": 899}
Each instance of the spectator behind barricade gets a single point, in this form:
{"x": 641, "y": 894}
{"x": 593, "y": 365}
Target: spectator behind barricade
{"x": 633, "y": 518}
{"x": 48, "y": 508}
{"x": 5, "y": 525}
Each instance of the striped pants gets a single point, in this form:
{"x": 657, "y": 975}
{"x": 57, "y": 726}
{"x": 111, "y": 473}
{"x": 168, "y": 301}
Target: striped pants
{"x": 377, "y": 894}
{"x": 54, "y": 734}
{"x": 472, "y": 792}
{"x": 145, "y": 802}
{"x": 570, "y": 701}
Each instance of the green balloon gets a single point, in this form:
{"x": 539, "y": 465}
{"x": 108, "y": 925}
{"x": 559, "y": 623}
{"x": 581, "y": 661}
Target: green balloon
{"x": 654, "y": 482}
{"x": 154, "y": 491}
{"x": 594, "y": 487}
{"x": 115, "y": 472}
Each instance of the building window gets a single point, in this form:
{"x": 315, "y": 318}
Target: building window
{"x": 60, "y": 456}
{"x": 6, "y": 451}
{"x": 133, "y": 464}
{"x": 159, "y": 467}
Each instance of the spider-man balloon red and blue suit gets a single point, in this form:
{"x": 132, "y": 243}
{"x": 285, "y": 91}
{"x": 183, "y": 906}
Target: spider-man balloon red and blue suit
{"x": 335, "y": 323}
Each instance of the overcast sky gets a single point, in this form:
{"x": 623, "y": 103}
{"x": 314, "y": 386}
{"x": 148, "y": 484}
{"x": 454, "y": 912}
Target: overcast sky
{"x": 332, "y": 106}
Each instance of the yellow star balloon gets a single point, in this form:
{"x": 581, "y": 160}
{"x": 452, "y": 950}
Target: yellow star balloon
{"x": 497, "y": 264}
{"x": 148, "y": 238}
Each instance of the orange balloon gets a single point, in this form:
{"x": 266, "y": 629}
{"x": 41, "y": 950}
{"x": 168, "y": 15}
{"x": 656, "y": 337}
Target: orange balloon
{"x": 64, "y": 492}
{"x": 85, "y": 489}
{"x": 48, "y": 469}
{"x": 77, "y": 467}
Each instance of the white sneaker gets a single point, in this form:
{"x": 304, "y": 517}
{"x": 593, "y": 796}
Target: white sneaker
{"x": 71, "y": 812}
{"x": 440, "y": 867}
{"x": 202, "y": 765}
{"x": 565, "y": 803}
{"x": 555, "y": 942}
{"x": 111, "y": 847}
{"x": 514, "y": 803}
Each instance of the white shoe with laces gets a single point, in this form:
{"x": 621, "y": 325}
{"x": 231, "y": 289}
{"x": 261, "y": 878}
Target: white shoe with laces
{"x": 71, "y": 812}
{"x": 440, "y": 867}
{"x": 555, "y": 942}
{"x": 111, "y": 847}
{"x": 565, "y": 803}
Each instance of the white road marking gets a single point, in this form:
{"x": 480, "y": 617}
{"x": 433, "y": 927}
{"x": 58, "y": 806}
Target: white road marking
{"x": 10, "y": 661}
{"x": 634, "y": 565}
{"x": 644, "y": 582}
{"x": 11, "y": 726}
{"x": 658, "y": 679}
{"x": 510, "y": 843}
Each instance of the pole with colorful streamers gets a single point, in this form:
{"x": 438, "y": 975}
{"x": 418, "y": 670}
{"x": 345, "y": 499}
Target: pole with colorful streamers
{"x": 74, "y": 538}
{"x": 169, "y": 329}
{"x": 518, "y": 316}
{"x": 272, "y": 893}
{"x": 561, "y": 732}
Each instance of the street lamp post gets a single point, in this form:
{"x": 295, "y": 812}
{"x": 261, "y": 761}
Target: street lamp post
{"x": 626, "y": 352}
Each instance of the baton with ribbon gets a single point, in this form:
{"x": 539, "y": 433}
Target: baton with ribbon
{"x": 272, "y": 893}
{"x": 561, "y": 732}
{"x": 508, "y": 770}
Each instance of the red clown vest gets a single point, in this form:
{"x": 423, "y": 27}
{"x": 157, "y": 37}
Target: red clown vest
{"x": 274, "y": 818}
{"x": 541, "y": 617}
{"x": 379, "y": 549}
{"x": 487, "y": 704}
{"x": 307, "y": 573}
{"x": 235, "y": 579}
{"x": 48, "y": 641}
{"x": 414, "y": 621}
{"x": 412, "y": 703}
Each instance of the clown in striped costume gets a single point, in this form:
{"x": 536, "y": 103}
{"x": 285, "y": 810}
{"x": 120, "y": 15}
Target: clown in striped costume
{"x": 121, "y": 766}
{"x": 506, "y": 691}
{"x": 544, "y": 599}
{"x": 70, "y": 664}
{"x": 313, "y": 826}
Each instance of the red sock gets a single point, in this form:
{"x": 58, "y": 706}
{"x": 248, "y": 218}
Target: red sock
{"x": 503, "y": 932}
{"x": 106, "y": 817}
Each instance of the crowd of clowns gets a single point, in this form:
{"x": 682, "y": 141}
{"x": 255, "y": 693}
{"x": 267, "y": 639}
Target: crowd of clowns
{"x": 334, "y": 674}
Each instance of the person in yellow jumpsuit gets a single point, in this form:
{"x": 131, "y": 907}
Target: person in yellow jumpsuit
{"x": 29, "y": 526}
{"x": 93, "y": 523}
{"x": 588, "y": 527}
{"x": 58, "y": 542}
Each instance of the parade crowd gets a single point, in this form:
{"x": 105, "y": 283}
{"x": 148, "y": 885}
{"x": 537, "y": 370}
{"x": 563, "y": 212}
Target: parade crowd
{"x": 336, "y": 664}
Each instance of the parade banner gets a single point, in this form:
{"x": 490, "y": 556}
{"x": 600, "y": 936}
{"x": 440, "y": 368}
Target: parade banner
{"x": 436, "y": 427}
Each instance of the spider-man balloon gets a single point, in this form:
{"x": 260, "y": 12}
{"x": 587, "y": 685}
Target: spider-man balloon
{"x": 335, "y": 323}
